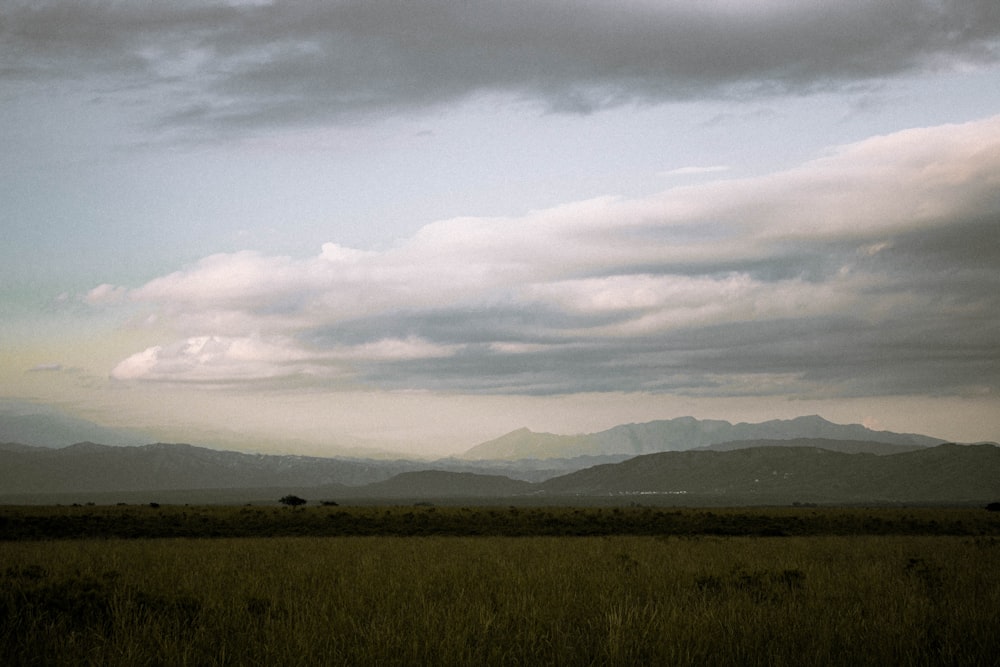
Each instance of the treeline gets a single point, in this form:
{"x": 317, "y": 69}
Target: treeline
{"x": 155, "y": 521}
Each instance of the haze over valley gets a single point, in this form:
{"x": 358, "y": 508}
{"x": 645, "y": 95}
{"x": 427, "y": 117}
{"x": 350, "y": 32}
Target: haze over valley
{"x": 679, "y": 461}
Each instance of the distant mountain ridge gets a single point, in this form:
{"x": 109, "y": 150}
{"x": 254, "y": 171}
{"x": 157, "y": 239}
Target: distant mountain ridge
{"x": 680, "y": 434}
{"x": 43, "y": 426}
{"x": 780, "y": 474}
{"x": 89, "y": 467}
{"x": 791, "y": 464}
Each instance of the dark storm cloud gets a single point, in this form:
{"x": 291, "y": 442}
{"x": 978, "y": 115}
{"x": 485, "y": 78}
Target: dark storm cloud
{"x": 252, "y": 65}
{"x": 947, "y": 253}
{"x": 818, "y": 357}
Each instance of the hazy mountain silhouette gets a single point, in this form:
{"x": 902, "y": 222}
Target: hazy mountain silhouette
{"x": 755, "y": 475}
{"x": 776, "y": 461}
{"x": 89, "y": 467}
{"x": 679, "y": 434}
{"x": 43, "y": 426}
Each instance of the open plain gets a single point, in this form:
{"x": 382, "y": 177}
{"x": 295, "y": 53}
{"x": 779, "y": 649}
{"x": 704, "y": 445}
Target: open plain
{"x": 399, "y": 585}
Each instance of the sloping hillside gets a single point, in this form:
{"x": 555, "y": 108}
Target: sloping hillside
{"x": 940, "y": 474}
{"x": 844, "y": 446}
{"x": 89, "y": 467}
{"x": 443, "y": 484}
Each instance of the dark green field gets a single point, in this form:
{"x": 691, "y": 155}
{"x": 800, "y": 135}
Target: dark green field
{"x": 174, "y": 585}
{"x": 145, "y": 521}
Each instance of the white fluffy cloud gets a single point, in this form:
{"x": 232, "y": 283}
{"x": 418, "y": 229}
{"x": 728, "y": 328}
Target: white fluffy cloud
{"x": 215, "y": 358}
{"x": 212, "y": 358}
{"x": 836, "y": 257}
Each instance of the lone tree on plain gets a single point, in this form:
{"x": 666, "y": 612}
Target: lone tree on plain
{"x": 292, "y": 501}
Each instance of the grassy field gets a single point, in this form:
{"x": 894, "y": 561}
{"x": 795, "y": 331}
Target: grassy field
{"x": 880, "y": 595}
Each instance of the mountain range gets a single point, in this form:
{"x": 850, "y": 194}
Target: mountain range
{"x": 680, "y": 461}
{"x": 680, "y": 434}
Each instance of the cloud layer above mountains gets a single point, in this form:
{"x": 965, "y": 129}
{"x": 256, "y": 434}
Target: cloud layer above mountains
{"x": 232, "y": 66}
{"x": 870, "y": 270}
{"x": 395, "y": 222}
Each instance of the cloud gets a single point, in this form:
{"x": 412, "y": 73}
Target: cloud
{"x": 104, "y": 294}
{"x": 215, "y": 358}
{"x": 46, "y": 368}
{"x": 220, "y": 65}
{"x": 696, "y": 171}
{"x": 869, "y": 270}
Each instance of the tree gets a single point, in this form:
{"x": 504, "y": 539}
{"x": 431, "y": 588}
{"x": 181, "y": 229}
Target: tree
{"x": 292, "y": 501}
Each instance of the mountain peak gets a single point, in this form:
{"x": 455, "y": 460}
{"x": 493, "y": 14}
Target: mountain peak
{"x": 86, "y": 446}
{"x": 810, "y": 419}
{"x": 522, "y": 444}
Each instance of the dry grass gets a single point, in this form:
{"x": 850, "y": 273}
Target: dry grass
{"x": 902, "y": 600}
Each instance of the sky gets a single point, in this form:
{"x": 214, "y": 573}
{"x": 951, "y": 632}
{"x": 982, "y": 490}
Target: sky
{"x": 363, "y": 226}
